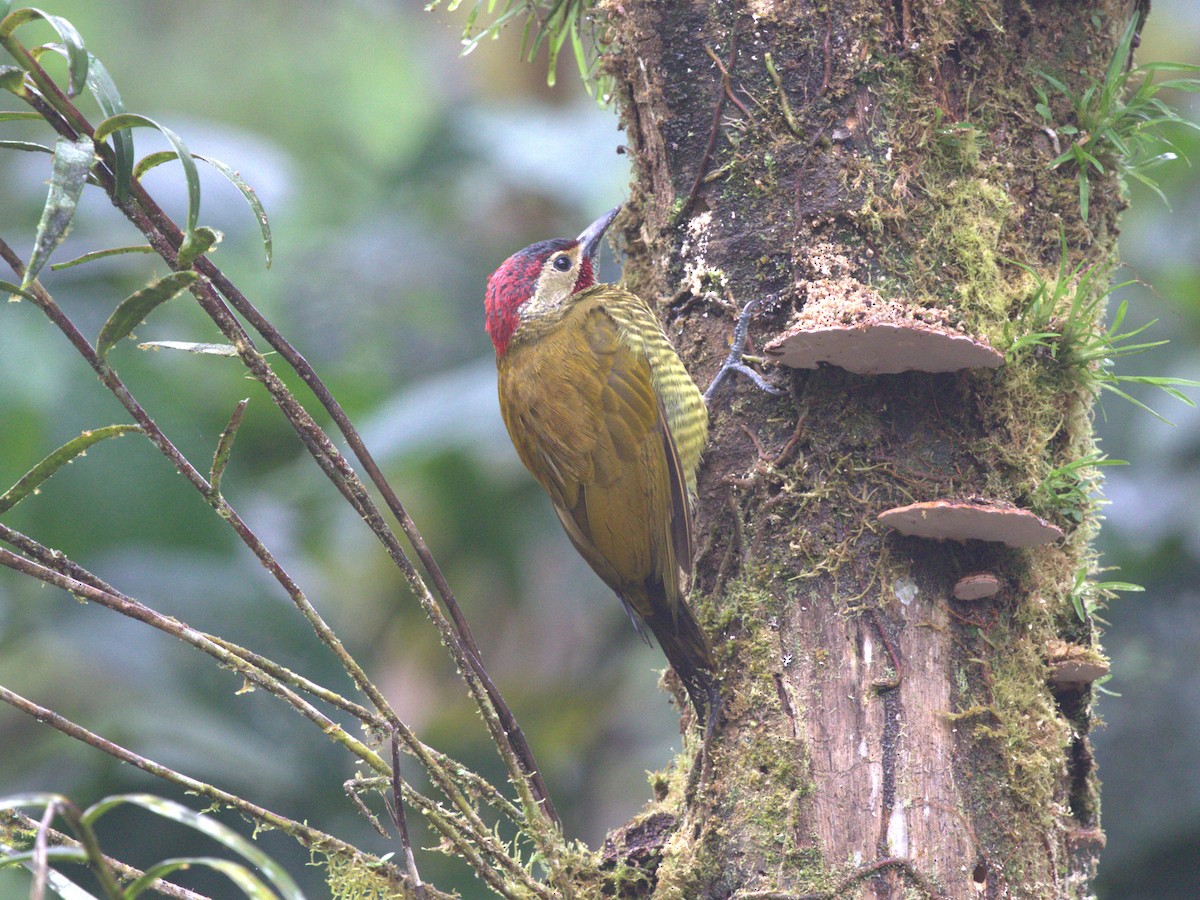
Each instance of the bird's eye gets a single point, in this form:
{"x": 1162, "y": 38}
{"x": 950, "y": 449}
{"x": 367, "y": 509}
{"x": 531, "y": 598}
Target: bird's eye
{"x": 562, "y": 263}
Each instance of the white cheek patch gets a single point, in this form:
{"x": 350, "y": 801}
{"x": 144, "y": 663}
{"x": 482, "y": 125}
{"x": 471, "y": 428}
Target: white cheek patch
{"x": 553, "y": 290}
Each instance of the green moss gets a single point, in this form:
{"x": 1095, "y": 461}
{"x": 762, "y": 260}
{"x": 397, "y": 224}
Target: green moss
{"x": 353, "y": 879}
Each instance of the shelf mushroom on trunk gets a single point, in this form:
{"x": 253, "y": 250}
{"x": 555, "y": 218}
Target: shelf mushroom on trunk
{"x": 856, "y": 329}
{"x": 974, "y": 519}
{"x": 1071, "y": 666}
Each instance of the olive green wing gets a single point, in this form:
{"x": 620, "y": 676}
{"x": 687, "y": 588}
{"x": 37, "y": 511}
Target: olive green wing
{"x": 582, "y": 411}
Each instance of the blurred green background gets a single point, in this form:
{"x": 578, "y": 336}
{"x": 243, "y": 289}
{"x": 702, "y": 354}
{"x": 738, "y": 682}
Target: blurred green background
{"x": 397, "y": 175}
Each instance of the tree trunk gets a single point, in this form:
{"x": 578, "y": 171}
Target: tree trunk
{"x": 880, "y": 738}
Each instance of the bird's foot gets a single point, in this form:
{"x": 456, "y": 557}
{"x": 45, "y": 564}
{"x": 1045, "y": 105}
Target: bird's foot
{"x": 733, "y": 362}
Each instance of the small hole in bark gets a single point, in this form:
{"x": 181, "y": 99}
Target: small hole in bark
{"x": 979, "y": 876}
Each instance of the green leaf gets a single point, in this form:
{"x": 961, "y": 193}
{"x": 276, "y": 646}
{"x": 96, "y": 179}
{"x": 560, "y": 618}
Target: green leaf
{"x": 59, "y": 883}
{"x": 197, "y": 244}
{"x": 77, "y": 55}
{"x": 31, "y": 481}
{"x": 246, "y": 881}
{"x": 16, "y": 291}
{"x": 210, "y": 349}
{"x": 225, "y": 448}
{"x": 1118, "y": 586}
{"x": 12, "y": 80}
{"x": 122, "y": 121}
{"x": 264, "y": 226}
{"x": 108, "y": 98}
{"x": 10, "y": 116}
{"x": 33, "y": 798}
{"x": 224, "y": 835}
{"x": 101, "y": 254}
{"x": 134, "y": 308}
{"x": 72, "y": 162}
{"x": 25, "y": 145}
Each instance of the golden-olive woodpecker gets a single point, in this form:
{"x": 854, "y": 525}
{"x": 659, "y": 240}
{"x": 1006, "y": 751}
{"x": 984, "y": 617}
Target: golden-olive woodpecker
{"x": 607, "y": 419}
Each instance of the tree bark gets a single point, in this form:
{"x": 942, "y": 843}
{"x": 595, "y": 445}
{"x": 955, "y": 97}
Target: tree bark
{"x": 880, "y": 738}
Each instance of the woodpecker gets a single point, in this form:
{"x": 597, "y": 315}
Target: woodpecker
{"x": 606, "y": 418}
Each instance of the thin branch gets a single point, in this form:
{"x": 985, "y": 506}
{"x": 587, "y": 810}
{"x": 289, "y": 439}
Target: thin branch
{"x": 127, "y": 606}
{"x": 308, "y": 836}
{"x": 165, "y": 237}
{"x": 118, "y": 602}
{"x": 111, "y": 380}
{"x": 59, "y": 562}
{"x": 401, "y": 821}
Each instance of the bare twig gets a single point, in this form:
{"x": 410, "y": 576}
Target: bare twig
{"x": 828, "y": 75}
{"x": 401, "y": 822}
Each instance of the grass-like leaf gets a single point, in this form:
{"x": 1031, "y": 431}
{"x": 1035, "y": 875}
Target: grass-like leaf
{"x": 1063, "y": 323}
{"x": 548, "y": 23}
{"x": 1118, "y": 121}
{"x": 72, "y": 162}
{"x": 1071, "y": 489}
{"x": 108, "y": 98}
{"x": 1087, "y": 596}
{"x": 101, "y": 254}
{"x": 122, "y": 121}
{"x": 134, "y": 309}
{"x": 62, "y": 886}
{"x": 225, "y": 448}
{"x": 16, "y": 291}
{"x": 191, "y": 347}
{"x": 12, "y": 79}
{"x": 248, "y": 883}
{"x": 40, "y": 799}
{"x": 77, "y": 55}
{"x": 29, "y": 146}
{"x": 264, "y": 226}
{"x": 31, "y": 481}
{"x": 222, "y": 834}
{"x": 18, "y": 116}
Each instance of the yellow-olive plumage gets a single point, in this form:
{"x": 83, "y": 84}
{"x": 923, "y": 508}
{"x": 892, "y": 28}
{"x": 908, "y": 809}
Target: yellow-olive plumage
{"x": 604, "y": 415}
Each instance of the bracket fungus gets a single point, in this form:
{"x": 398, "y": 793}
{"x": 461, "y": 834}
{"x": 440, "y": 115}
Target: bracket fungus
{"x": 861, "y": 332}
{"x": 981, "y": 520}
{"x": 1072, "y": 665}
{"x": 977, "y": 586}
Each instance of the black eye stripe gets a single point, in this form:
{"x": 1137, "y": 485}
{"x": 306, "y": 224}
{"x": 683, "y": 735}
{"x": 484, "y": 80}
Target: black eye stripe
{"x": 562, "y": 263}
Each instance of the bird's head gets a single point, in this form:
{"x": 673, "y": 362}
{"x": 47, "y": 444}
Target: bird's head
{"x": 539, "y": 279}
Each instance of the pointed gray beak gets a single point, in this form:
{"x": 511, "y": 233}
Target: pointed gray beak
{"x": 591, "y": 236}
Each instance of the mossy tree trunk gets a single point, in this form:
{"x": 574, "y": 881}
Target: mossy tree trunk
{"x": 881, "y": 739}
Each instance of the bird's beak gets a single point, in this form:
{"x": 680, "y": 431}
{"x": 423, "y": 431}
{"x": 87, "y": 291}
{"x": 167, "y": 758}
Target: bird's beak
{"x": 591, "y": 236}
